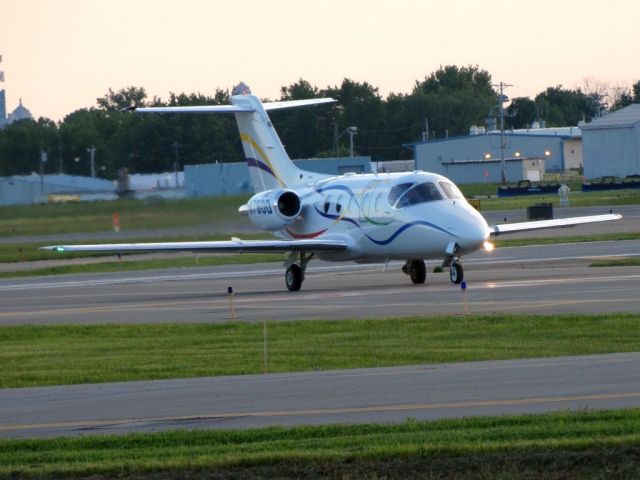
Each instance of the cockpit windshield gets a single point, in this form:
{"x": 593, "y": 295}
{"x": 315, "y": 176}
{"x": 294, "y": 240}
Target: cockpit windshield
{"x": 451, "y": 191}
{"x": 397, "y": 191}
{"x": 414, "y": 194}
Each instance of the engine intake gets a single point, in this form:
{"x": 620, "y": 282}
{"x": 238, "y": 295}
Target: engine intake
{"x": 274, "y": 209}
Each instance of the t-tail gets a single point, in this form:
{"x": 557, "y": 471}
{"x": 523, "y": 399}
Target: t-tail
{"x": 269, "y": 165}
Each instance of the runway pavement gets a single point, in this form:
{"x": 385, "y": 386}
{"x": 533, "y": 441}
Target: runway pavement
{"x": 350, "y": 396}
{"x": 536, "y": 279}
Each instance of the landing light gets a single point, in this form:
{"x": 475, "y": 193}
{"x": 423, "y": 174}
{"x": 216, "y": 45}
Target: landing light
{"x": 59, "y": 249}
{"x": 488, "y": 246}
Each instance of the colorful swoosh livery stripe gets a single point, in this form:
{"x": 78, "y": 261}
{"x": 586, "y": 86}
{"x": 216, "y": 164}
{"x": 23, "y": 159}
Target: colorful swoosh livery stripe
{"x": 387, "y": 241}
{"x": 306, "y": 235}
{"x": 266, "y": 165}
{"x": 404, "y": 227}
{"x": 253, "y": 162}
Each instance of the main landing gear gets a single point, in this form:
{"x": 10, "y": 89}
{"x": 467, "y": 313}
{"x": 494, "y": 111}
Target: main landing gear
{"x": 294, "y": 275}
{"x": 418, "y": 272}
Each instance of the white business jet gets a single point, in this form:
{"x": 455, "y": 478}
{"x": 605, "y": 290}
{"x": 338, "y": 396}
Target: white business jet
{"x": 362, "y": 218}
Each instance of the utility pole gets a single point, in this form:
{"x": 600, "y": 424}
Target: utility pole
{"x": 92, "y": 153}
{"x": 503, "y": 145}
{"x": 175, "y": 146}
{"x": 43, "y": 159}
{"x": 60, "y": 156}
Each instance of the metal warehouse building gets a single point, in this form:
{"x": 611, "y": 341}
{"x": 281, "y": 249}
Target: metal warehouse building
{"x": 219, "y": 179}
{"x": 472, "y": 158}
{"x": 612, "y": 144}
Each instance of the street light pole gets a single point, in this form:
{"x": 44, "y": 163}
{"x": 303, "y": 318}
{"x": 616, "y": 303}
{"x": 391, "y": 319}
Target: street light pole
{"x": 351, "y": 131}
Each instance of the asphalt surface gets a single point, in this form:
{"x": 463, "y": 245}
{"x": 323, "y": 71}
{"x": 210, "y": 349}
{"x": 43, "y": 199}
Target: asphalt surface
{"x": 535, "y": 279}
{"x": 379, "y": 395}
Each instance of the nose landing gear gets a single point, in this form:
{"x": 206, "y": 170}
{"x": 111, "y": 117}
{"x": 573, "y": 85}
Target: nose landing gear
{"x": 456, "y": 273}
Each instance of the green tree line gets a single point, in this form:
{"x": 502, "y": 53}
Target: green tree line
{"x": 449, "y": 101}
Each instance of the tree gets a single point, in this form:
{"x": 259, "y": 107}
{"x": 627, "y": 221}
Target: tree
{"x": 627, "y": 96}
{"x": 305, "y": 132}
{"x": 522, "y": 113}
{"x": 360, "y": 106}
{"x": 453, "y": 99}
{"x": 123, "y": 98}
{"x": 562, "y": 108}
{"x": 21, "y": 145}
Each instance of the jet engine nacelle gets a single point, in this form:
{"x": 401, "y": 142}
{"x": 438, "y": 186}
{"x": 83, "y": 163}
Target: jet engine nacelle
{"x": 274, "y": 209}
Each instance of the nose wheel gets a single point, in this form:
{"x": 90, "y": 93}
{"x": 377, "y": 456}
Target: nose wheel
{"x": 456, "y": 273}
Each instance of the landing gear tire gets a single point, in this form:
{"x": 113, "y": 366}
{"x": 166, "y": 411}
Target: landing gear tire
{"x": 417, "y": 272}
{"x": 293, "y": 277}
{"x": 456, "y": 273}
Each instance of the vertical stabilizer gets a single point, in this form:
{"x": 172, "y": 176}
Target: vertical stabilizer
{"x": 269, "y": 165}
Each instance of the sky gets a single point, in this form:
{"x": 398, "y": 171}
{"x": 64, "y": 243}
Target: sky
{"x": 61, "y": 55}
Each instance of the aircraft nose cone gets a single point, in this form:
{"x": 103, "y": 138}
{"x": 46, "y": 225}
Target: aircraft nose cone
{"x": 473, "y": 237}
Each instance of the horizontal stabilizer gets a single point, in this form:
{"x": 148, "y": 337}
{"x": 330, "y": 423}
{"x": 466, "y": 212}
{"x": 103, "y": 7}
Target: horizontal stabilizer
{"x": 232, "y": 246}
{"x": 192, "y": 109}
{"x": 296, "y": 103}
{"x": 560, "y": 222}
{"x": 232, "y": 108}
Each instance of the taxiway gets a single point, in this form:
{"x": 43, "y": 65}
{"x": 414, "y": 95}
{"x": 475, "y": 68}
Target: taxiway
{"x": 378, "y": 395}
{"x": 513, "y": 280}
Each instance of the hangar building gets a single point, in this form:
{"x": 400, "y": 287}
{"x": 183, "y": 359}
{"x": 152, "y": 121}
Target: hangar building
{"x": 475, "y": 158}
{"x": 612, "y": 144}
{"x": 219, "y": 179}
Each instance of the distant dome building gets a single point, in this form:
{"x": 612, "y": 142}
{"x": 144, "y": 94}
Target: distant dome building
{"x": 20, "y": 113}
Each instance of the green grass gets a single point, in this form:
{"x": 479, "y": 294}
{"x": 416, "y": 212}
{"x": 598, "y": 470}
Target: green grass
{"x": 552, "y": 446}
{"x": 131, "y": 265}
{"x": 617, "y": 262}
{"x": 576, "y": 199}
{"x": 72, "y": 354}
{"x": 599, "y": 237}
{"x": 30, "y": 251}
{"x": 62, "y": 218}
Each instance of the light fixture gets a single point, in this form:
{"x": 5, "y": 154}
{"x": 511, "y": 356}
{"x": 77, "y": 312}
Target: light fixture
{"x": 487, "y": 156}
{"x": 547, "y": 153}
{"x": 517, "y": 154}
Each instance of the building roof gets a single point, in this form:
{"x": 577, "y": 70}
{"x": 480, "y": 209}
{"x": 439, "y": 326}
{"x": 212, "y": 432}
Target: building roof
{"x": 563, "y": 133}
{"x": 626, "y": 117}
{"x": 20, "y": 113}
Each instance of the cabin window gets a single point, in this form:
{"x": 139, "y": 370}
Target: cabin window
{"x": 451, "y": 191}
{"x": 327, "y": 205}
{"x": 425, "y": 192}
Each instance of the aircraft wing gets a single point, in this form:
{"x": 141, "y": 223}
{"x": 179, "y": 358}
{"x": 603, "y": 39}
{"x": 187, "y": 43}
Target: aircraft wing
{"x": 230, "y": 246}
{"x": 560, "y": 222}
